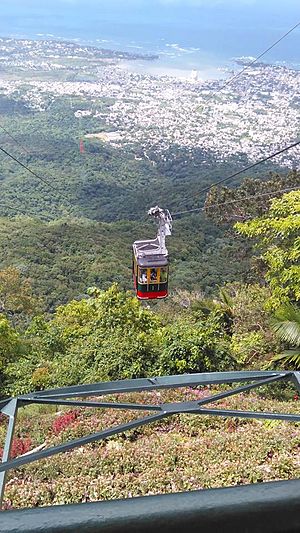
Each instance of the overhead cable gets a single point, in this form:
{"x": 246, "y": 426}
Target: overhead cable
{"x": 14, "y": 139}
{"x": 270, "y": 193}
{"x": 235, "y": 174}
{"x": 236, "y": 76}
{"x": 259, "y": 195}
{"x": 46, "y": 182}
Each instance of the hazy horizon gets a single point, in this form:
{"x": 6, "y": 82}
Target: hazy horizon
{"x": 185, "y": 33}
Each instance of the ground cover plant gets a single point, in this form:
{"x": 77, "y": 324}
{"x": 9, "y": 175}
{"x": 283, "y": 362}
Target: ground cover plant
{"x": 181, "y": 453}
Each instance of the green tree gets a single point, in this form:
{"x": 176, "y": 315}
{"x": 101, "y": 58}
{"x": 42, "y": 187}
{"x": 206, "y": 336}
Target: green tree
{"x": 277, "y": 235}
{"x": 192, "y": 345}
{"x": 16, "y": 298}
{"x": 252, "y": 342}
{"x": 107, "y": 336}
{"x": 111, "y": 335}
{"x": 10, "y": 348}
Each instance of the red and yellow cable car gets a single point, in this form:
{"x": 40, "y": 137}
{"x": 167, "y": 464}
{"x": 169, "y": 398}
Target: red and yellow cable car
{"x": 150, "y": 260}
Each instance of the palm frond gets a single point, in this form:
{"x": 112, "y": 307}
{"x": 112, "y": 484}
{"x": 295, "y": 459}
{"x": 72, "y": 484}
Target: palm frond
{"x": 225, "y": 297}
{"x": 288, "y": 312}
{"x": 288, "y": 357}
{"x": 286, "y": 323}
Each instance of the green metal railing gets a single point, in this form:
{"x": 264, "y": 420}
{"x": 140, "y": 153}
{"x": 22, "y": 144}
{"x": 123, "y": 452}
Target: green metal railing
{"x": 78, "y": 396}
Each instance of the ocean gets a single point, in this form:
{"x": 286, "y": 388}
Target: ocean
{"x": 187, "y": 36}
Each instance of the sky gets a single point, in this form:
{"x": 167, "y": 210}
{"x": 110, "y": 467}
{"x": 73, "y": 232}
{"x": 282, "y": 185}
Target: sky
{"x": 99, "y": 3}
{"x": 273, "y": 5}
{"x": 287, "y": 9}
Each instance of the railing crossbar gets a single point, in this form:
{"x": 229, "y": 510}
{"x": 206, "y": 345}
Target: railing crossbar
{"x": 106, "y": 405}
{"x": 156, "y": 383}
{"x": 247, "y": 414}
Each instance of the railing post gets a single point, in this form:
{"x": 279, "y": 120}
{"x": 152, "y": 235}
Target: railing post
{"x": 296, "y": 380}
{"x": 10, "y": 409}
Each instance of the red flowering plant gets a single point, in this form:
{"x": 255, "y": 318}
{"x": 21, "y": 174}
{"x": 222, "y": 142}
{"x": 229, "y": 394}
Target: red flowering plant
{"x": 20, "y": 445}
{"x": 64, "y": 421}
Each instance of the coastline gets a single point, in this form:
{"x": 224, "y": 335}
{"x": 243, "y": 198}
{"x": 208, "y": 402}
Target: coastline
{"x": 159, "y": 58}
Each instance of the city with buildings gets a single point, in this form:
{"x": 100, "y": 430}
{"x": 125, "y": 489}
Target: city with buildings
{"x": 256, "y": 114}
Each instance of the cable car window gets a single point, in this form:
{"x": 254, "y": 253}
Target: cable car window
{"x": 143, "y": 275}
{"x": 163, "y": 275}
{"x": 153, "y": 275}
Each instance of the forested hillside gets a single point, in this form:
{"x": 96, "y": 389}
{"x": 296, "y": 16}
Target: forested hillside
{"x": 104, "y": 183}
{"x": 81, "y": 218}
{"x": 68, "y": 225}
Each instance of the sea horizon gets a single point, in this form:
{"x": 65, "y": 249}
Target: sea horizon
{"x": 185, "y": 39}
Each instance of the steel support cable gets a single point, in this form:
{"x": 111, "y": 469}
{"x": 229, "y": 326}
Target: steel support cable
{"x": 46, "y": 182}
{"x": 178, "y": 212}
{"x": 235, "y": 174}
{"x": 242, "y": 199}
{"x": 13, "y": 208}
{"x": 270, "y": 193}
{"x": 258, "y": 195}
{"x": 236, "y": 76}
{"x": 14, "y": 139}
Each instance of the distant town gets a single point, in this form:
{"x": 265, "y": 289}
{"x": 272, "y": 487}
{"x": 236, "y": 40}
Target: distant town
{"x": 254, "y": 115}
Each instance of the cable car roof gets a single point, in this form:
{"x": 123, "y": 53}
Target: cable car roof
{"x": 148, "y": 254}
{"x": 152, "y": 261}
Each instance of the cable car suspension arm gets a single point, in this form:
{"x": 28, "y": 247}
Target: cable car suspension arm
{"x": 164, "y": 220}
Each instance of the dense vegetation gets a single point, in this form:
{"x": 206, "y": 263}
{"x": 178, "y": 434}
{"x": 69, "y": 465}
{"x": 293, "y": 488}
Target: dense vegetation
{"x": 107, "y": 334}
{"x": 104, "y": 183}
{"x": 67, "y": 314}
{"x": 64, "y": 257}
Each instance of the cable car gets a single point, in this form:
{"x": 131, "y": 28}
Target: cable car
{"x": 150, "y": 265}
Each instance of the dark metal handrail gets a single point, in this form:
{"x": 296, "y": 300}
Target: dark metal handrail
{"x": 261, "y": 508}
